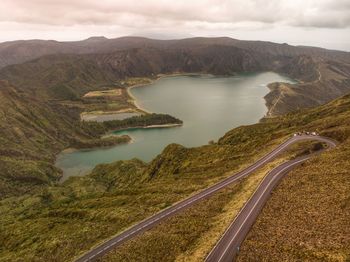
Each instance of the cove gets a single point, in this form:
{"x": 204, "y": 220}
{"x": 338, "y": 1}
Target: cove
{"x": 208, "y": 105}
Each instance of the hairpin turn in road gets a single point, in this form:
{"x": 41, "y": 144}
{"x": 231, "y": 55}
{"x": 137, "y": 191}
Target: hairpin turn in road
{"x": 227, "y": 247}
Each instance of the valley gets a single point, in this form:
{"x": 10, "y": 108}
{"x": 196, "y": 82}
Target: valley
{"x": 59, "y": 95}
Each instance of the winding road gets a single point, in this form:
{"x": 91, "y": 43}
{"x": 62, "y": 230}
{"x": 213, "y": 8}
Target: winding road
{"x": 227, "y": 247}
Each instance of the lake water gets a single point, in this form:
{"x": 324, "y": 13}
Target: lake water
{"x": 209, "y": 107}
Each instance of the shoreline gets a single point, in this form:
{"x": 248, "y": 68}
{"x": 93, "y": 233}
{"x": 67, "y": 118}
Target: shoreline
{"x": 69, "y": 150}
{"x": 276, "y": 87}
{"x": 147, "y": 127}
{"x": 157, "y": 78}
{"x": 268, "y": 114}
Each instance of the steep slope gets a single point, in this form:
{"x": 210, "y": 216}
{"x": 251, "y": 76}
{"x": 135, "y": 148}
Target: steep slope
{"x": 27, "y": 127}
{"x": 17, "y": 52}
{"x": 58, "y": 77}
{"x": 289, "y": 50}
{"x": 32, "y": 132}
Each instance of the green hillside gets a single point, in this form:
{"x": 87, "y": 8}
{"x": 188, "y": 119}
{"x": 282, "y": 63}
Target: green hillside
{"x": 33, "y": 132}
{"x": 62, "y": 221}
{"x": 312, "y": 207}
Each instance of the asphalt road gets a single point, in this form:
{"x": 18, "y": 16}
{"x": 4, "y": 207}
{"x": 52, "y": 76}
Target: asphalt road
{"x": 227, "y": 247}
{"x": 224, "y": 248}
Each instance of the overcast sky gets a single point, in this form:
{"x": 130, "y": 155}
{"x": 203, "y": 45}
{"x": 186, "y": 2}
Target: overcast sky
{"x": 324, "y": 23}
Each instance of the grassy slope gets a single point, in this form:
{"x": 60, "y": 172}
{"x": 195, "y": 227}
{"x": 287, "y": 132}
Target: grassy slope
{"x": 33, "y": 131}
{"x": 61, "y": 222}
{"x": 316, "y": 218}
{"x": 308, "y": 215}
{"x": 27, "y": 126}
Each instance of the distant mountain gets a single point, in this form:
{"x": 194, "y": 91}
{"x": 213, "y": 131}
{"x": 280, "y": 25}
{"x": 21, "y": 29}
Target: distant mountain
{"x": 78, "y": 67}
{"x": 70, "y": 76}
{"x": 20, "y": 51}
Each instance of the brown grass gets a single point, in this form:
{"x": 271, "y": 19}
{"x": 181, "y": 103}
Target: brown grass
{"x": 104, "y": 93}
{"x": 308, "y": 216}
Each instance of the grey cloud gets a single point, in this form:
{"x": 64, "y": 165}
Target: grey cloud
{"x": 132, "y": 13}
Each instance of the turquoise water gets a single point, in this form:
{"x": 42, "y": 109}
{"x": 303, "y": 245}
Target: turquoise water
{"x": 209, "y": 106}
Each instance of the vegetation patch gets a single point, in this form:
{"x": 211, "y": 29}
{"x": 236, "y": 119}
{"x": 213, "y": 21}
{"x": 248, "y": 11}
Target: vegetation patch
{"x": 147, "y": 120}
{"x": 307, "y": 217}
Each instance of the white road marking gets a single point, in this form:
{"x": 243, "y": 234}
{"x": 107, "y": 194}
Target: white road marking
{"x": 256, "y": 203}
{"x": 282, "y": 146}
{"x": 222, "y": 184}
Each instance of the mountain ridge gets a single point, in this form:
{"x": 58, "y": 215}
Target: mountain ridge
{"x": 68, "y": 76}
{"x": 14, "y": 52}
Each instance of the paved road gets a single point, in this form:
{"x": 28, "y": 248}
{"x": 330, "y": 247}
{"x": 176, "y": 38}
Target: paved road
{"x": 227, "y": 247}
{"x": 178, "y": 207}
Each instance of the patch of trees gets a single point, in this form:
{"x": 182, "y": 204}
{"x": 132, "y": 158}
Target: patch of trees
{"x": 141, "y": 121}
